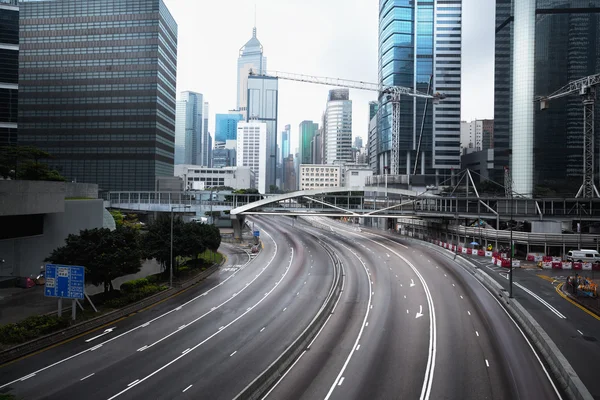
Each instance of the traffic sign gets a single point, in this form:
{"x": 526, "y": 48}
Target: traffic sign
{"x": 65, "y": 281}
{"x": 257, "y": 233}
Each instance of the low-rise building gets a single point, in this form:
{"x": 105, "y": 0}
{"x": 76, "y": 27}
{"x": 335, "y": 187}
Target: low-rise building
{"x": 354, "y": 175}
{"x": 482, "y": 162}
{"x": 196, "y": 177}
{"x": 319, "y": 176}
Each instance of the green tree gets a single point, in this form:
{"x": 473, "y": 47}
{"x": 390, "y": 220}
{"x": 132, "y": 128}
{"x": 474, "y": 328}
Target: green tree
{"x": 127, "y": 220}
{"x": 25, "y": 162}
{"x": 156, "y": 242}
{"x": 105, "y": 254}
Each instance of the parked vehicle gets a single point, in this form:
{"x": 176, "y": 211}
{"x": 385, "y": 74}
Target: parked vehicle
{"x": 583, "y": 256}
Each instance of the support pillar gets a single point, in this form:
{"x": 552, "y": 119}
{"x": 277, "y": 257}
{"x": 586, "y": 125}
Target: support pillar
{"x": 238, "y": 226}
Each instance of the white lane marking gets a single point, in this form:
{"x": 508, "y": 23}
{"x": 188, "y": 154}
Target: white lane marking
{"x": 387, "y": 254}
{"x": 263, "y": 329}
{"x": 420, "y": 313}
{"x": 184, "y": 390}
{"x": 145, "y": 324}
{"x": 367, "y": 324}
{"x": 429, "y": 371}
{"x": 526, "y": 340}
{"x": 318, "y": 333}
{"x": 142, "y": 348}
{"x": 461, "y": 297}
{"x": 341, "y": 381}
{"x": 26, "y": 377}
{"x": 469, "y": 312}
{"x": 477, "y": 333}
{"x": 133, "y": 383}
{"x": 487, "y": 363}
{"x": 231, "y": 355}
{"x": 581, "y": 333}
{"x": 538, "y": 298}
{"x": 332, "y": 388}
{"x": 407, "y": 311}
{"x": 404, "y": 296}
{"x": 357, "y": 347}
{"x": 181, "y": 327}
{"x": 221, "y": 329}
{"x": 85, "y": 377}
{"x": 285, "y": 309}
{"x": 178, "y": 308}
{"x": 412, "y": 283}
{"x": 106, "y": 332}
{"x": 284, "y": 375}
{"x": 96, "y": 347}
{"x": 453, "y": 285}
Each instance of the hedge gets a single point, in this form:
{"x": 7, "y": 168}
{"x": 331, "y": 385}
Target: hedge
{"x": 31, "y": 327}
{"x": 131, "y": 286}
{"x": 137, "y": 294}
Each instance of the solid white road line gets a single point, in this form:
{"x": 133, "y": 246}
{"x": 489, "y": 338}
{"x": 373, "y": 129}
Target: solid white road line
{"x": 487, "y": 363}
{"x": 185, "y": 351}
{"x": 106, "y": 332}
{"x": 85, "y": 377}
{"x": 184, "y": 390}
{"x": 284, "y": 375}
{"x": 26, "y": 377}
{"x": 581, "y": 333}
{"x": 357, "y": 347}
{"x": 341, "y": 381}
{"x": 133, "y": 383}
{"x": 263, "y": 329}
{"x": 231, "y": 355}
{"x": 538, "y": 298}
{"x": 221, "y": 329}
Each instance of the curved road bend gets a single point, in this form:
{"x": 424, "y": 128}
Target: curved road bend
{"x": 478, "y": 352}
{"x": 209, "y": 342}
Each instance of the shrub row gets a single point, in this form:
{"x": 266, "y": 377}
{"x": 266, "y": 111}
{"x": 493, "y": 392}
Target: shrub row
{"x": 131, "y": 286}
{"x": 137, "y": 294}
{"x": 31, "y": 327}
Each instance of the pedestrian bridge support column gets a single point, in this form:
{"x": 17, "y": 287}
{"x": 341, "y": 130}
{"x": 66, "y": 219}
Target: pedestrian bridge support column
{"x": 238, "y": 225}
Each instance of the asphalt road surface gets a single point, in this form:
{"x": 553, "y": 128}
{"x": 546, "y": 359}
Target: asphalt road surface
{"x": 209, "y": 342}
{"x": 412, "y": 324}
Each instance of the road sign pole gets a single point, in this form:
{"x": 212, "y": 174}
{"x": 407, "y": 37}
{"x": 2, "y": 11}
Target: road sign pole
{"x": 60, "y": 306}
{"x": 73, "y": 310}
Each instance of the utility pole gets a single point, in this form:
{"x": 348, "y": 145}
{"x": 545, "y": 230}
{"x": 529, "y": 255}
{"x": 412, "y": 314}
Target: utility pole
{"x": 510, "y": 280}
{"x": 173, "y": 208}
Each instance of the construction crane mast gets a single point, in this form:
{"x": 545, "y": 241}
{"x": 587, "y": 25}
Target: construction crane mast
{"x": 392, "y": 93}
{"x": 586, "y": 88}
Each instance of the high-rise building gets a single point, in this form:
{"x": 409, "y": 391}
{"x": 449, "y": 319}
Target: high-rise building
{"x": 97, "y": 88}
{"x": 307, "y": 130}
{"x": 420, "y": 48}
{"x": 285, "y": 152}
{"x": 262, "y": 107}
{"x": 338, "y": 127}
{"x": 251, "y": 151}
{"x": 487, "y": 136}
{"x": 206, "y": 145}
{"x": 358, "y": 142}
{"x": 9, "y": 73}
{"x": 317, "y": 147}
{"x": 373, "y": 108}
{"x": 540, "y": 47}
{"x": 189, "y": 137}
{"x": 250, "y": 57}
{"x": 225, "y": 154}
{"x": 226, "y": 126}
{"x": 290, "y": 180}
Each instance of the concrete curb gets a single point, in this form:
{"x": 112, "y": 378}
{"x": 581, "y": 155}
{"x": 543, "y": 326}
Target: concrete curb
{"x": 567, "y": 379}
{"x": 257, "y": 388}
{"x": 576, "y": 300}
{"x": 40, "y": 343}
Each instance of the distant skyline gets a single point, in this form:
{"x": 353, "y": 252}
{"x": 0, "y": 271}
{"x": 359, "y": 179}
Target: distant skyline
{"x": 337, "y": 38}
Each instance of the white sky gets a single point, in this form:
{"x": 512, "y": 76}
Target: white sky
{"x": 334, "y": 38}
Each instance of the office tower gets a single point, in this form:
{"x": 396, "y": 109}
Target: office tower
{"x": 226, "y": 127}
{"x": 206, "y": 145}
{"x": 317, "y": 147}
{"x": 250, "y": 57}
{"x": 540, "y": 47}
{"x": 338, "y": 127}
{"x": 290, "y": 171}
{"x": 188, "y": 129}
{"x": 358, "y": 142}
{"x": 9, "y": 73}
{"x": 487, "y": 135}
{"x": 308, "y": 130}
{"x": 420, "y": 48}
{"x": 251, "y": 151}
{"x": 285, "y": 152}
{"x": 373, "y": 107}
{"x": 262, "y": 107}
{"x": 102, "y": 103}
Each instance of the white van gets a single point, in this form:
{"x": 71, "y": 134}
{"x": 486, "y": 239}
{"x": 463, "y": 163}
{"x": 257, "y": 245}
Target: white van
{"x": 583, "y": 256}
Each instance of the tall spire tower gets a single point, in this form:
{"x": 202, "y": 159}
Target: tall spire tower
{"x": 250, "y": 57}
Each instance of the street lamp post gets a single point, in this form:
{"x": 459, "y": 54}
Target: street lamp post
{"x": 510, "y": 280}
{"x": 173, "y": 208}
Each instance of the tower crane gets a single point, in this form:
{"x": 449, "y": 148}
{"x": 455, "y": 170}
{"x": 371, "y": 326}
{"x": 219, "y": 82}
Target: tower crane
{"x": 392, "y": 93}
{"x": 586, "y": 88}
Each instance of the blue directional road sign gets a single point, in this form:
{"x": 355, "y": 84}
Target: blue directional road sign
{"x": 257, "y": 233}
{"x": 66, "y": 281}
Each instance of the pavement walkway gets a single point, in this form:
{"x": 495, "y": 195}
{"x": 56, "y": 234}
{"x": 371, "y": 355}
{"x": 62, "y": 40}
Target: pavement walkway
{"x": 17, "y": 304}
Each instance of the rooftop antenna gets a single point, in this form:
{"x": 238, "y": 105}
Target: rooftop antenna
{"x": 254, "y": 29}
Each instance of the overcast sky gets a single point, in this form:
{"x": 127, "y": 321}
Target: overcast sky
{"x": 334, "y": 38}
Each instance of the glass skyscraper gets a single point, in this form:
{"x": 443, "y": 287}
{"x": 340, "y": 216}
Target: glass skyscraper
{"x": 9, "y": 71}
{"x": 189, "y": 131}
{"x": 97, "y": 88}
{"x": 338, "y": 127}
{"x": 541, "y": 45}
{"x": 308, "y": 130}
{"x": 226, "y": 127}
{"x": 262, "y": 107}
{"x": 420, "y": 47}
{"x": 250, "y": 57}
